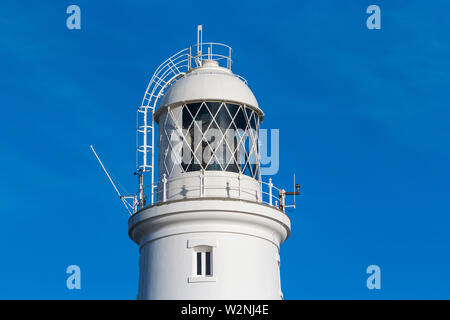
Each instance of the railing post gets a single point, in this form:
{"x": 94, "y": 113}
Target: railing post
{"x": 270, "y": 191}
{"x": 141, "y": 192}
{"x": 239, "y": 178}
{"x": 189, "y": 58}
{"x": 164, "y": 181}
{"x": 202, "y": 183}
{"x": 260, "y": 191}
{"x": 283, "y": 196}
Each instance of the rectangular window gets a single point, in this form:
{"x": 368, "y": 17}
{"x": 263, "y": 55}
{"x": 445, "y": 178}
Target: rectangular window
{"x": 208, "y": 263}
{"x": 199, "y": 263}
{"x": 203, "y": 261}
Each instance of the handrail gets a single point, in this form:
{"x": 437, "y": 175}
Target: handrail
{"x": 266, "y": 195}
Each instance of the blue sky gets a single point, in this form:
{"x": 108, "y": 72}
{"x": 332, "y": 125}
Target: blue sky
{"x": 363, "y": 118}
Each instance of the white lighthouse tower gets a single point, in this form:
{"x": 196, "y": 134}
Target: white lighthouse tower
{"x": 208, "y": 227}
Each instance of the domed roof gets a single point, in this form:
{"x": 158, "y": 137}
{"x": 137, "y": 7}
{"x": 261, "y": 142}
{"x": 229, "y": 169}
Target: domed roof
{"x": 209, "y": 82}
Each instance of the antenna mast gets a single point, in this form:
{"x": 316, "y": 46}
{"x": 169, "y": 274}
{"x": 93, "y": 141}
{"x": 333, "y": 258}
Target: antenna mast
{"x": 112, "y": 182}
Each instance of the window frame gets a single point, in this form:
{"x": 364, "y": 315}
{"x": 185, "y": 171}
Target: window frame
{"x": 202, "y": 247}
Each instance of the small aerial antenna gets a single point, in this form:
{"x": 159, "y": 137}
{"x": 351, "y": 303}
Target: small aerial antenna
{"x": 198, "y": 60}
{"x": 294, "y": 193}
{"x": 122, "y": 198}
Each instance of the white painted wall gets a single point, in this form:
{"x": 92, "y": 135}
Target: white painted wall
{"x": 216, "y": 184}
{"x": 245, "y": 237}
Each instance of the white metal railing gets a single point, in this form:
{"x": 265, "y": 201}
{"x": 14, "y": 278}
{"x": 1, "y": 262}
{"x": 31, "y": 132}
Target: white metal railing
{"x": 157, "y": 192}
{"x": 215, "y": 51}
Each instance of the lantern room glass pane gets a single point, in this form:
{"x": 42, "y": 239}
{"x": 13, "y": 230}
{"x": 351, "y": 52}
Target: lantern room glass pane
{"x": 211, "y": 135}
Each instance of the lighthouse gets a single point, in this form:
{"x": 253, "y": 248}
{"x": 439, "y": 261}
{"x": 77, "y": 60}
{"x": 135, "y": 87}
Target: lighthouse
{"x": 206, "y": 224}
